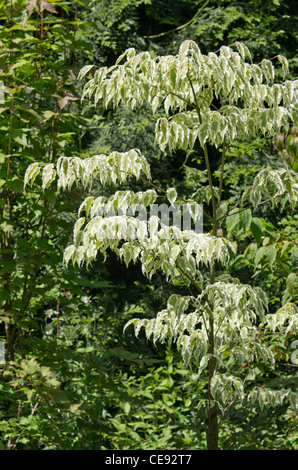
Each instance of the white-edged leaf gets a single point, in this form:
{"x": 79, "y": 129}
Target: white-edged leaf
{"x": 172, "y": 195}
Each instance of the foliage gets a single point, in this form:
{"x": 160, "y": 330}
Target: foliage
{"x": 34, "y": 388}
{"x": 162, "y": 411}
{"x": 227, "y": 324}
{"x": 37, "y": 116}
{"x": 98, "y": 388}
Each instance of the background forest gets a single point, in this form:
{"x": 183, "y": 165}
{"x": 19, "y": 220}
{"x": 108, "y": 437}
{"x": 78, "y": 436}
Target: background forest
{"x": 70, "y": 377}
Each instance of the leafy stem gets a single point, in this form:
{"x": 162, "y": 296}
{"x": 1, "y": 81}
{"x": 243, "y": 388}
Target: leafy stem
{"x": 221, "y": 174}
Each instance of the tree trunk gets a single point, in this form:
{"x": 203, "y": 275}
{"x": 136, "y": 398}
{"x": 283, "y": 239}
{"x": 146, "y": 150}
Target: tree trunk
{"x": 211, "y": 406}
{"x": 10, "y": 334}
{"x": 212, "y": 428}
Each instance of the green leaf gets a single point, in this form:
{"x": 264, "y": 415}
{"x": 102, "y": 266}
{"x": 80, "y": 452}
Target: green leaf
{"x": 20, "y": 137}
{"x": 127, "y": 408}
{"x": 271, "y": 255}
{"x": 292, "y": 146}
{"x": 30, "y": 366}
{"x": 7, "y": 266}
{"x": 260, "y": 254}
{"x": 232, "y": 221}
{"x": 257, "y": 229}
{"x": 245, "y": 219}
{"x": 7, "y": 228}
{"x": 48, "y": 114}
{"x": 291, "y": 284}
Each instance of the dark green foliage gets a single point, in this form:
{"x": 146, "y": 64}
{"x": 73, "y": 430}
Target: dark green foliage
{"x": 67, "y": 360}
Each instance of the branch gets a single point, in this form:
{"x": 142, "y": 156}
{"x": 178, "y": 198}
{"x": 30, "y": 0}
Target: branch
{"x": 221, "y": 174}
{"x": 179, "y": 27}
{"x": 241, "y": 210}
{"x": 185, "y": 274}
